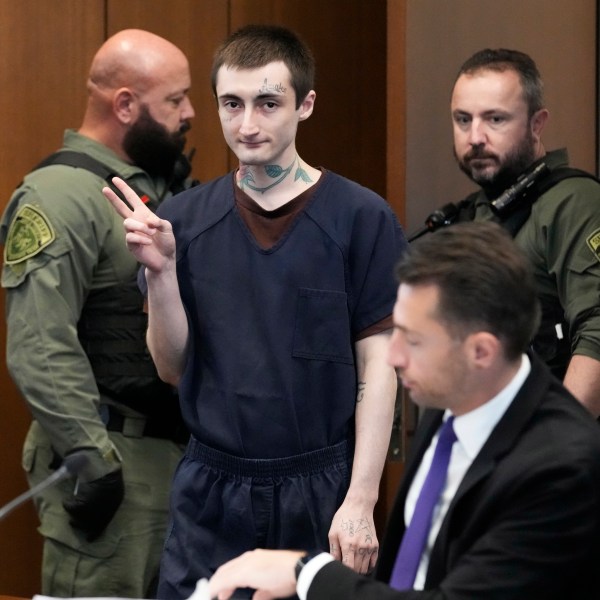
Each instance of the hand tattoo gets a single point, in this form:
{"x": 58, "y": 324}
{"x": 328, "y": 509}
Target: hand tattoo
{"x": 361, "y": 525}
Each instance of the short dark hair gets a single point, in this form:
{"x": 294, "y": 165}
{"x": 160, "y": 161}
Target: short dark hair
{"x": 503, "y": 59}
{"x": 255, "y": 46}
{"x": 485, "y": 282}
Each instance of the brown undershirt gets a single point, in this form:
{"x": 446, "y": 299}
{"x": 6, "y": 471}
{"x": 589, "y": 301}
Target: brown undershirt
{"x": 268, "y": 226}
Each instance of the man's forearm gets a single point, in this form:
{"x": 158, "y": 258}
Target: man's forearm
{"x": 583, "y": 381}
{"x": 167, "y": 325}
{"x": 352, "y": 535}
{"x": 377, "y": 385}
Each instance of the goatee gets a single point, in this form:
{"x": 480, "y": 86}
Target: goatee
{"x": 507, "y": 170}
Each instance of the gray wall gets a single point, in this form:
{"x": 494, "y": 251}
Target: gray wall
{"x": 561, "y": 37}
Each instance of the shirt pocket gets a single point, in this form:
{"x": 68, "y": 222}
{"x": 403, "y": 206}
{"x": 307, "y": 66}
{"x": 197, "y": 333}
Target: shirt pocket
{"x": 322, "y": 328}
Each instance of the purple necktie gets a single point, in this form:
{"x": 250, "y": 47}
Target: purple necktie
{"x": 415, "y": 536}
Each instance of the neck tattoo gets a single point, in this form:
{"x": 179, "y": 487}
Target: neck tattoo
{"x": 274, "y": 172}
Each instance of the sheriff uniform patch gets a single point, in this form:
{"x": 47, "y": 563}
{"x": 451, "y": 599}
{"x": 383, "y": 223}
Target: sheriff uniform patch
{"x": 593, "y": 241}
{"x": 29, "y": 233}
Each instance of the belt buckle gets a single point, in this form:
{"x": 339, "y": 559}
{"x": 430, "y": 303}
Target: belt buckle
{"x": 134, "y": 426}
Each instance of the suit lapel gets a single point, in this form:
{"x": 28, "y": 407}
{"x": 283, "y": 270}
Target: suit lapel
{"x": 509, "y": 428}
{"x": 501, "y": 440}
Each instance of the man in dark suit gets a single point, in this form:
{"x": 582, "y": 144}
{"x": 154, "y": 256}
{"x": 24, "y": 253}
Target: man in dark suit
{"x": 518, "y": 515}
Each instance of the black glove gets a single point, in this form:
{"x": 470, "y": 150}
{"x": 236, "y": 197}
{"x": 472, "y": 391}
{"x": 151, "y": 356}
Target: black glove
{"x": 94, "y": 503}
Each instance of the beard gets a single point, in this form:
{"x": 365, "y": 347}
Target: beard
{"x": 495, "y": 180}
{"x": 152, "y": 147}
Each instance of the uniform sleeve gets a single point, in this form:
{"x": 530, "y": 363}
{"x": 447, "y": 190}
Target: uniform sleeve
{"x": 568, "y": 235}
{"x": 45, "y": 292}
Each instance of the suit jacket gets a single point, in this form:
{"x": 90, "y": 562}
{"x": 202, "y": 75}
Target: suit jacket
{"x": 525, "y": 520}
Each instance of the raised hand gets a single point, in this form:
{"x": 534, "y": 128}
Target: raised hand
{"x": 148, "y": 237}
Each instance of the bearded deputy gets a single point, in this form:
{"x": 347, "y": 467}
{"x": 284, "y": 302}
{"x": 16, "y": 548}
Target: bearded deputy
{"x": 551, "y": 209}
{"x": 76, "y": 325}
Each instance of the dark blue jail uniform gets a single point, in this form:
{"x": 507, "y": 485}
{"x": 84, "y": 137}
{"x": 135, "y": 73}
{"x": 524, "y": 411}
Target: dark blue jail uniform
{"x": 269, "y": 387}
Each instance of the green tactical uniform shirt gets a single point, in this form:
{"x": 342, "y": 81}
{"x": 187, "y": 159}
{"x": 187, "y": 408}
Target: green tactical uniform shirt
{"x": 62, "y": 239}
{"x": 561, "y": 237}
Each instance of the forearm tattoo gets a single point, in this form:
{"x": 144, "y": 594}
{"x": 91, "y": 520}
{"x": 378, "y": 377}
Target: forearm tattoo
{"x": 361, "y": 390}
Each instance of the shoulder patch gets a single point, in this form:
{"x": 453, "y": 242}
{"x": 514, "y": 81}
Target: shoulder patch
{"x": 29, "y": 233}
{"x": 593, "y": 241}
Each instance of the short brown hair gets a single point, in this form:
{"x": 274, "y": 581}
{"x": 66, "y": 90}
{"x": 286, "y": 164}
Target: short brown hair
{"x": 255, "y": 46}
{"x": 503, "y": 59}
{"x": 485, "y": 282}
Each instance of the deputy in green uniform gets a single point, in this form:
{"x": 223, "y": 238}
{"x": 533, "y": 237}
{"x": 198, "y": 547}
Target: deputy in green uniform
{"x": 76, "y": 325}
{"x": 498, "y": 117}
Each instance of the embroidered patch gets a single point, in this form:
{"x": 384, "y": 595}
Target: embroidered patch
{"x": 29, "y": 233}
{"x": 593, "y": 241}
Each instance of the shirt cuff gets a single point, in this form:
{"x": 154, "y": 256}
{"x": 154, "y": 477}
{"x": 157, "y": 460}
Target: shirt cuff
{"x": 310, "y": 569}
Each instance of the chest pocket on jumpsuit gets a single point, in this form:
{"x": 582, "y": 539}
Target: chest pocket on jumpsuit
{"x": 322, "y": 328}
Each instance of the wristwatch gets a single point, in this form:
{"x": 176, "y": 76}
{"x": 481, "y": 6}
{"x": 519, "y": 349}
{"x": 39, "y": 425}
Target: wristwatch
{"x": 301, "y": 562}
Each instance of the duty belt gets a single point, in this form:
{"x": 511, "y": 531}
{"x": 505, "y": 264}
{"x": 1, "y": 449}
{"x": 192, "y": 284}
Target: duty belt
{"x": 142, "y": 426}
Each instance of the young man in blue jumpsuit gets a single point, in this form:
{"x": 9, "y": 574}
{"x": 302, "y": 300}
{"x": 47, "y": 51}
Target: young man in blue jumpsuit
{"x": 270, "y": 294}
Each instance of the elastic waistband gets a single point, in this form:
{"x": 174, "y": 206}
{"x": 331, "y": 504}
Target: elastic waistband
{"x": 265, "y": 468}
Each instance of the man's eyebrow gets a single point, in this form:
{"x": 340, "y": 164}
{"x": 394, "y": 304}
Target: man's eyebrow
{"x": 228, "y": 95}
{"x": 458, "y": 112}
{"x": 177, "y": 94}
{"x": 264, "y": 96}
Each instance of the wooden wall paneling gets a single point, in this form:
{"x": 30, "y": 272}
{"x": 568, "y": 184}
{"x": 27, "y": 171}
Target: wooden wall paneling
{"x": 395, "y": 194}
{"x": 197, "y": 27}
{"x": 346, "y": 132}
{"x": 45, "y": 50}
{"x": 396, "y": 107}
{"x": 44, "y": 58}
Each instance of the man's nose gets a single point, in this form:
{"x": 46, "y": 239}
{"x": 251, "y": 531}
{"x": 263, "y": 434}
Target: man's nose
{"x": 187, "y": 111}
{"x": 396, "y": 356}
{"x": 477, "y": 134}
{"x": 248, "y": 126}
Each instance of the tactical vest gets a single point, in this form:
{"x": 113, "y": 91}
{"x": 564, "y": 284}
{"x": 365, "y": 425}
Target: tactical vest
{"x": 555, "y": 351}
{"x": 112, "y": 330}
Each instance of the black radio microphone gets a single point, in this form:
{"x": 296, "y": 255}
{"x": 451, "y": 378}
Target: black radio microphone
{"x": 503, "y": 203}
{"x": 71, "y": 466}
{"x": 438, "y": 218}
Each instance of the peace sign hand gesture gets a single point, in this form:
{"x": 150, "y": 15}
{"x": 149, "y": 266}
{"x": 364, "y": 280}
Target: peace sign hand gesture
{"x": 149, "y": 238}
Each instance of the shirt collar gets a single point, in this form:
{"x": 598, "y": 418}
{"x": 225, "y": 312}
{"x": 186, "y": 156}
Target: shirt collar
{"x": 473, "y": 428}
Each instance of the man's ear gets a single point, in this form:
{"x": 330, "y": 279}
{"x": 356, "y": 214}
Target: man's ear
{"x": 125, "y": 105}
{"x": 307, "y": 106}
{"x": 538, "y": 122}
{"x": 483, "y": 349}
